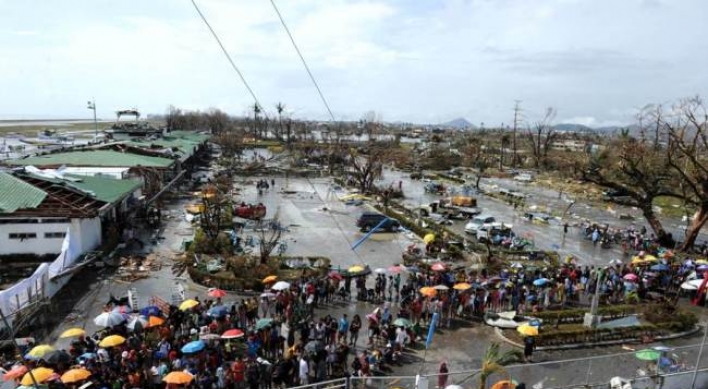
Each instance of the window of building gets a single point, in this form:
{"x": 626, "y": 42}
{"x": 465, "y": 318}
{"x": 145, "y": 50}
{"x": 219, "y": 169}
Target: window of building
{"x": 52, "y": 235}
{"x": 23, "y": 235}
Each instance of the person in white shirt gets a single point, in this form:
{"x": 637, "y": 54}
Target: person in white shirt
{"x": 304, "y": 371}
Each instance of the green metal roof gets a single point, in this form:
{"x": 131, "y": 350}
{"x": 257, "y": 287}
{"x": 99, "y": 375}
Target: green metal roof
{"x": 105, "y": 189}
{"x": 106, "y": 158}
{"x": 182, "y": 141}
{"x": 16, "y": 194}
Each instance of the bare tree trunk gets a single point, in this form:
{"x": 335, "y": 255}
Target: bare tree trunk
{"x": 699, "y": 219}
{"x": 653, "y": 220}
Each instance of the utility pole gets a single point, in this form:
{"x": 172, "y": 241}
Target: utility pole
{"x": 517, "y": 117}
{"x": 92, "y": 106}
{"x": 17, "y": 347}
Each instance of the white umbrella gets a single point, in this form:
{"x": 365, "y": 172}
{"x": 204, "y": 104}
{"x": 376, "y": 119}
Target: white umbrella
{"x": 281, "y": 285}
{"x": 440, "y": 287}
{"x": 109, "y": 319}
{"x": 692, "y": 285}
{"x": 453, "y": 387}
{"x": 139, "y": 321}
{"x": 515, "y": 265}
{"x": 267, "y": 295}
{"x": 380, "y": 270}
{"x": 616, "y": 262}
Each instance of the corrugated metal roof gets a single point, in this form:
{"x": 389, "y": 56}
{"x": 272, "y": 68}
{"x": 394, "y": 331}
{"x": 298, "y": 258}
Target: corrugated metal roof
{"x": 104, "y": 189}
{"x": 16, "y": 194}
{"x": 94, "y": 158}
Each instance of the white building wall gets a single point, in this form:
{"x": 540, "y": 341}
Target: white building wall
{"x": 86, "y": 231}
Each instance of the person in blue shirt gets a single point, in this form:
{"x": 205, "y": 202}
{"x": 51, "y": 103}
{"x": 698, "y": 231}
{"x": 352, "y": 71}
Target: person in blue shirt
{"x": 342, "y": 329}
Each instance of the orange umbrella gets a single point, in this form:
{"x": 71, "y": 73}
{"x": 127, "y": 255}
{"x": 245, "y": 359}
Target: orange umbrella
{"x": 75, "y": 375}
{"x": 270, "y": 279}
{"x": 178, "y": 378}
{"x": 461, "y": 286}
{"x": 155, "y": 321}
{"x": 428, "y": 291}
{"x": 16, "y": 372}
{"x": 504, "y": 384}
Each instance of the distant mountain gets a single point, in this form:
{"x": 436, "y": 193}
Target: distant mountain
{"x": 458, "y": 124}
{"x": 571, "y": 127}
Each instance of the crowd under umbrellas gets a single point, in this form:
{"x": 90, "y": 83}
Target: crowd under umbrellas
{"x": 275, "y": 339}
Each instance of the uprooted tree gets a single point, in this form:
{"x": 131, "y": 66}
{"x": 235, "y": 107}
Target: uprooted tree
{"x": 269, "y": 233}
{"x": 541, "y": 137}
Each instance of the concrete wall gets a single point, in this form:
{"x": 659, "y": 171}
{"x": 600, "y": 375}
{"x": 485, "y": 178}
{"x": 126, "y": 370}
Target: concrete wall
{"x": 87, "y": 233}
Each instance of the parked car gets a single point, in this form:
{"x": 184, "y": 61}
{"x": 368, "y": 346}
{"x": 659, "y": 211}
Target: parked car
{"x": 477, "y": 222}
{"x": 523, "y": 177}
{"x": 494, "y": 233}
{"x": 369, "y": 220}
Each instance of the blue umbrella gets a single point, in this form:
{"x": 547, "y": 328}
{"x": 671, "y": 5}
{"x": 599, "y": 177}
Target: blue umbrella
{"x": 151, "y": 311}
{"x": 660, "y": 267}
{"x": 193, "y": 347}
{"x": 535, "y": 323}
{"x": 87, "y": 356}
{"x": 530, "y": 297}
{"x": 540, "y": 282}
{"x": 218, "y": 311}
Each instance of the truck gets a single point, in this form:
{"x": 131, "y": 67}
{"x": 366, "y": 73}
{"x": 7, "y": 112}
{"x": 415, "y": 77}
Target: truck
{"x": 446, "y": 208}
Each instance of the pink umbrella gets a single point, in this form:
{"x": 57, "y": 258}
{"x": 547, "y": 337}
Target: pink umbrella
{"x": 335, "y": 275}
{"x": 395, "y": 269}
{"x": 372, "y": 317}
{"x": 438, "y": 266}
{"x": 630, "y": 277}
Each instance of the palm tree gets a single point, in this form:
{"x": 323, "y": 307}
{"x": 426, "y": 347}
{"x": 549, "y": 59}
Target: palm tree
{"x": 494, "y": 362}
{"x": 280, "y": 107}
{"x": 256, "y": 111}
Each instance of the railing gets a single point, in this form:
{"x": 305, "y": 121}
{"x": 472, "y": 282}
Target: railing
{"x": 583, "y": 373}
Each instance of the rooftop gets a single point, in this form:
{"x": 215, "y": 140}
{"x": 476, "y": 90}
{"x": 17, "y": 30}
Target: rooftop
{"x": 182, "y": 142}
{"x": 105, "y": 189}
{"x": 17, "y": 194}
{"x": 108, "y": 158}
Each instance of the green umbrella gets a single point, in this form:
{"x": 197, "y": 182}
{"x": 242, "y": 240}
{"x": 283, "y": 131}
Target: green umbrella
{"x": 402, "y": 322}
{"x": 648, "y": 355}
{"x": 263, "y": 323}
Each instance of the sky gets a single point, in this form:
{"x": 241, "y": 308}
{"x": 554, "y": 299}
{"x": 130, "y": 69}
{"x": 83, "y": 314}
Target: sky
{"x": 597, "y": 62}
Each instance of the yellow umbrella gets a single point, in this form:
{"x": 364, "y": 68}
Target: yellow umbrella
{"x": 39, "y": 351}
{"x": 428, "y": 291}
{"x": 178, "y": 378}
{"x": 701, "y": 261}
{"x": 188, "y": 304}
{"x": 112, "y": 341}
{"x": 650, "y": 258}
{"x": 527, "y": 330}
{"x": 356, "y": 269}
{"x": 428, "y": 238}
{"x": 269, "y": 279}
{"x": 155, "y": 321}
{"x": 75, "y": 375}
{"x": 73, "y": 332}
{"x": 40, "y": 374}
{"x": 461, "y": 286}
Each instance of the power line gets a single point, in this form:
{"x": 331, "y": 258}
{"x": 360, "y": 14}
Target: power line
{"x": 307, "y": 68}
{"x": 228, "y": 57}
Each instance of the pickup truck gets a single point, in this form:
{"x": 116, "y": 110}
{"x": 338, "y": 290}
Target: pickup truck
{"x": 445, "y": 208}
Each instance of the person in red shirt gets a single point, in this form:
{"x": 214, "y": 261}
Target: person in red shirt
{"x": 238, "y": 372}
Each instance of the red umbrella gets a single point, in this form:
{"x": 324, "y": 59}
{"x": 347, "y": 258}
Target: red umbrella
{"x": 232, "y": 334}
{"x": 335, "y": 275}
{"x": 438, "y": 266}
{"x": 216, "y": 293}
